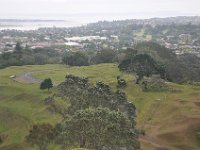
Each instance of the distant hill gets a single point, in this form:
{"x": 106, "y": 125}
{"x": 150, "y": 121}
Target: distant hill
{"x": 181, "y": 20}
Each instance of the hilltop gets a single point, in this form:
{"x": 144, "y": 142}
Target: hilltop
{"x": 165, "y": 116}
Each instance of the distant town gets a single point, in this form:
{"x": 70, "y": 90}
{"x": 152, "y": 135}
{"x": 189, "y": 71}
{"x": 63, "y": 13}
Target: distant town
{"x": 181, "y": 34}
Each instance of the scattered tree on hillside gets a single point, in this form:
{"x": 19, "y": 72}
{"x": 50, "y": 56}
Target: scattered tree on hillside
{"x": 142, "y": 65}
{"x": 121, "y": 83}
{"x": 18, "y": 47}
{"x": 18, "y": 50}
{"x": 41, "y": 135}
{"x": 46, "y": 84}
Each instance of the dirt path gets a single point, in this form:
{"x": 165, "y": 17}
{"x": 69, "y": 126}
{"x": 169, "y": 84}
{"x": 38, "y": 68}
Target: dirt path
{"x": 27, "y": 78}
{"x": 154, "y": 143}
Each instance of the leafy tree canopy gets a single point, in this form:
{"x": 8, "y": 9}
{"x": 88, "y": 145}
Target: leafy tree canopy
{"x": 46, "y": 84}
{"x": 95, "y": 111}
{"x": 76, "y": 59}
{"x": 100, "y": 128}
{"x": 142, "y": 65}
{"x": 104, "y": 56}
{"x": 41, "y": 135}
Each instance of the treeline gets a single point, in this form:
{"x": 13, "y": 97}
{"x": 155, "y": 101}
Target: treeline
{"x": 39, "y": 56}
{"x": 95, "y": 117}
{"x": 179, "y": 69}
{"x": 174, "y": 30}
{"x": 162, "y": 61}
{"x": 26, "y": 56}
{"x": 85, "y": 58}
{"x": 145, "y": 59}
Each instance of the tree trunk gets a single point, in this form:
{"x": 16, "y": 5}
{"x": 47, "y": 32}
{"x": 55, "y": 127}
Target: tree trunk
{"x": 82, "y": 142}
{"x": 137, "y": 81}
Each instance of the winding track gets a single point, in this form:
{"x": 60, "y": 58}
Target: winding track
{"x": 27, "y": 78}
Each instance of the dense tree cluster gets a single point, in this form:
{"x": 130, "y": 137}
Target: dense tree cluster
{"x": 142, "y": 65}
{"x": 26, "y": 56}
{"x": 41, "y": 135}
{"x": 97, "y": 129}
{"x": 93, "y": 103}
{"x": 83, "y": 95}
{"x": 97, "y": 118}
{"x": 150, "y": 58}
{"x": 76, "y": 59}
{"x": 85, "y": 58}
{"x": 104, "y": 56}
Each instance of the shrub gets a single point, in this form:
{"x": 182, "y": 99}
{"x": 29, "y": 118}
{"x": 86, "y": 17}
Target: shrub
{"x": 121, "y": 83}
{"x": 155, "y": 83}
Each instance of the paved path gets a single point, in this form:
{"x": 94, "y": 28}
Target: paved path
{"x": 27, "y": 78}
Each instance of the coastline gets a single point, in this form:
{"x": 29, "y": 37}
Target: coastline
{"x": 26, "y": 25}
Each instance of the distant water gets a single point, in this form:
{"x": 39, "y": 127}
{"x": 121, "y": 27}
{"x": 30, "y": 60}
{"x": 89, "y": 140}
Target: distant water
{"x": 36, "y": 25}
{"x": 72, "y": 20}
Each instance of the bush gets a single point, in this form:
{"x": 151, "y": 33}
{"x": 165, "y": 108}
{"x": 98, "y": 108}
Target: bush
{"x": 121, "y": 83}
{"x": 41, "y": 135}
{"x": 155, "y": 83}
{"x": 46, "y": 84}
{"x": 2, "y": 138}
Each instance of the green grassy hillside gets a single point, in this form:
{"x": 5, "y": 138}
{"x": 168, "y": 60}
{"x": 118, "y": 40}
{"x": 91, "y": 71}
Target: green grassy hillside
{"x": 171, "y": 119}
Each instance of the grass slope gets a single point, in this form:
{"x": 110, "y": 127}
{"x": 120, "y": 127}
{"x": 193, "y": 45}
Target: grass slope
{"x": 171, "y": 119}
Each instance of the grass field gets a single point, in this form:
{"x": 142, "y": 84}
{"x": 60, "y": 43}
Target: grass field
{"x": 141, "y": 34}
{"x": 171, "y": 120}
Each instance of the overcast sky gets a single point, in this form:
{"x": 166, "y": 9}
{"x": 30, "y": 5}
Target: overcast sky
{"x": 143, "y": 8}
